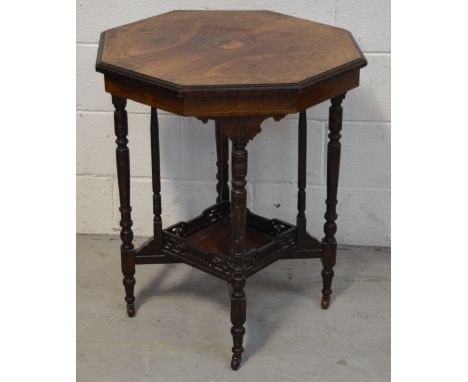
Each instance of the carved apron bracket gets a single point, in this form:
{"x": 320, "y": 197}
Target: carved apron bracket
{"x": 241, "y": 128}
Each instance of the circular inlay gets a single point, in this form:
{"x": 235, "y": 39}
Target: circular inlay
{"x": 230, "y": 44}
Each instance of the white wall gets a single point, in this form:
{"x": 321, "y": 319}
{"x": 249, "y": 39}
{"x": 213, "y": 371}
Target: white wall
{"x": 188, "y": 149}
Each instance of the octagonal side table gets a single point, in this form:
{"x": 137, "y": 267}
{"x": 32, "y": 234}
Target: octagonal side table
{"x": 237, "y": 68}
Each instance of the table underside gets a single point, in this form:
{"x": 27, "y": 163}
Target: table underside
{"x": 205, "y": 243}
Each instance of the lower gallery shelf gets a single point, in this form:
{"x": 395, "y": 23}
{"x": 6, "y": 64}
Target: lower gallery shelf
{"x": 205, "y": 243}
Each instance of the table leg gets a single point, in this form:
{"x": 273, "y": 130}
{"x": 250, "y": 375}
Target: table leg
{"x": 238, "y": 221}
{"x": 333, "y": 169}
{"x": 156, "y": 179}
{"x": 301, "y": 221}
{"x": 127, "y": 251}
{"x": 222, "y": 175}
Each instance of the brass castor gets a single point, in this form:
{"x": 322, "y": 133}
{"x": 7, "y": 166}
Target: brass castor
{"x": 131, "y": 310}
{"x": 235, "y": 363}
{"x": 325, "y": 302}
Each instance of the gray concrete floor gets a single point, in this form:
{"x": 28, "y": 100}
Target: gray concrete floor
{"x": 181, "y": 330}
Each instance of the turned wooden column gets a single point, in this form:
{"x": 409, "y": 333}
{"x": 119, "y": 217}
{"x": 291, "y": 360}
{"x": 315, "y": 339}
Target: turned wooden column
{"x": 123, "y": 174}
{"x": 301, "y": 221}
{"x": 238, "y": 221}
{"x": 156, "y": 180}
{"x": 222, "y": 174}
{"x": 333, "y": 169}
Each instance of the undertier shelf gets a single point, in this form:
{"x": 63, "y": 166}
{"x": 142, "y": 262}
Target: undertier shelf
{"x": 205, "y": 243}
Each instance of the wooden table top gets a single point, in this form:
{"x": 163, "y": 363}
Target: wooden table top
{"x": 217, "y": 53}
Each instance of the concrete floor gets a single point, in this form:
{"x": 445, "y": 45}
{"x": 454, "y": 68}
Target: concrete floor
{"x": 181, "y": 330}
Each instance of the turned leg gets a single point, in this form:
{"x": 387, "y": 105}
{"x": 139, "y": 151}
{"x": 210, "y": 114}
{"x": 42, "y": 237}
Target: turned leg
{"x": 123, "y": 174}
{"x": 238, "y": 221}
{"x": 156, "y": 176}
{"x": 301, "y": 221}
{"x": 222, "y": 175}
{"x": 333, "y": 169}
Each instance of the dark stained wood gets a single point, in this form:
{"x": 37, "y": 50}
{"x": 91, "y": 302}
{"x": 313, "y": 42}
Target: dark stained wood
{"x": 301, "y": 220}
{"x": 217, "y": 238}
{"x": 138, "y": 91}
{"x": 228, "y": 48}
{"x": 330, "y": 88}
{"x": 156, "y": 182}
{"x": 242, "y": 128}
{"x": 228, "y": 62}
{"x": 123, "y": 175}
{"x": 237, "y": 68}
{"x": 205, "y": 242}
{"x": 333, "y": 169}
{"x": 238, "y": 224}
{"x": 222, "y": 152}
{"x": 209, "y": 237}
{"x": 232, "y": 102}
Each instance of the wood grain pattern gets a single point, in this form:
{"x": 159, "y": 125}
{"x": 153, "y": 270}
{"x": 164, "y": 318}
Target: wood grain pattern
{"x": 200, "y": 48}
{"x": 239, "y": 162}
{"x": 217, "y": 238}
{"x": 228, "y": 63}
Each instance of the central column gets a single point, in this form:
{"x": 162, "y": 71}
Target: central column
{"x": 239, "y": 130}
{"x": 238, "y": 222}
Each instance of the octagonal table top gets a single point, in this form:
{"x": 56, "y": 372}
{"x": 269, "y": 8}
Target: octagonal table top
{"x": 211, "y": 55}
